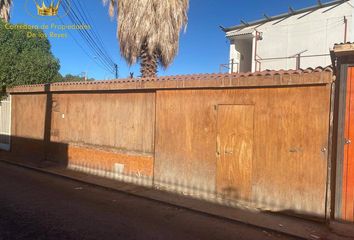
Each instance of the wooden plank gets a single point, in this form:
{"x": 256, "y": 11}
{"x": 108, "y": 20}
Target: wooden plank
{"x": 185, "y": 141}
{"x": 348, "y": 171}
{"x": 343, "y": 49}
{"x": 339, "y": 137}
{"x": 330, "y": 195}
{"x": 29, "y": 116}
{"x": 91, "y": 157}
{"x": 291, "y": 128}
{"x": 350, "y": 164}
{"x": 124, "y": 121}
{"x": 235, "y": 151}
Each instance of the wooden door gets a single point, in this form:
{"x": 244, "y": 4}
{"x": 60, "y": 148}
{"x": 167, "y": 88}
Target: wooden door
{"x": 348, "y": 165}
{"x": 234, "y": 151}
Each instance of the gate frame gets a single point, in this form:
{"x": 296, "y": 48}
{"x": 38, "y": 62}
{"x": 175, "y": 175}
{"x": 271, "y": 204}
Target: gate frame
{"x": 340, "y": 143}
{"x": 342, "y": 58}
{"x": 340, "y": 124}
{"x": 3, "y": 146}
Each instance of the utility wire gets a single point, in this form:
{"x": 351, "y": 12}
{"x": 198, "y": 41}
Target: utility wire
{"x": 97, "y": 36}
{"x": 76, "y": 17}
{"x": 87, "y": 54}
{"x": 90, "y": 42}
{"x": 82, "y": 18}
{"x": 84, "y": 50}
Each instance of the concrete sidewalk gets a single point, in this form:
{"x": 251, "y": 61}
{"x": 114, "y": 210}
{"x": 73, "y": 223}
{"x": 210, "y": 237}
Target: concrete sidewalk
{"x": 292, "y": 226}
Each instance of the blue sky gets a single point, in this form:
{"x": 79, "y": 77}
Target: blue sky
{"x": 202, "y": 48}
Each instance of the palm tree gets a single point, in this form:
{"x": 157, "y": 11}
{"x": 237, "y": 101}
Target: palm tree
{"x": 149, "y": 31}
{"x": 5, "y": 6}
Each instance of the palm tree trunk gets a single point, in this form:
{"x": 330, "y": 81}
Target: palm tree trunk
{"x": 148, "y": 62}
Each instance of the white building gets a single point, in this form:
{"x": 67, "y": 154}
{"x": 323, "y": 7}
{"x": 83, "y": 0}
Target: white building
{"x": 297, "y": 39}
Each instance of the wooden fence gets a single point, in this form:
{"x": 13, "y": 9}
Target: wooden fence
{"x": 256, "y": 140}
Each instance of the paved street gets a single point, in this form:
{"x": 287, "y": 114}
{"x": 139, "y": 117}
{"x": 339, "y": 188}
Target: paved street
{"x": 39, "y": 206}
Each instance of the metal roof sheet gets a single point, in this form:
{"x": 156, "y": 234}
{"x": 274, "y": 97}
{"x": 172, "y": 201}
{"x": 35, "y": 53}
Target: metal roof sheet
{"x": 243, "y": 32}
{"x": 285, "y": 15}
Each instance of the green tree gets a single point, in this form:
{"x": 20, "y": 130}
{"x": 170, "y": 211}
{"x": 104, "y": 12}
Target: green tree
{"x": 26, "y": 60}
{"x": 75, "y": 78}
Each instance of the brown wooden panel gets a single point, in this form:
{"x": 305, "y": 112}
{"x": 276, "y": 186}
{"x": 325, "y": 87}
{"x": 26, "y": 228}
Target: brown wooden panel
{"x": 28, "y": 112}
{"x": 27, "y": 128}
{"x": 348, "y": 171}
{"x": 185, "y": 141}
{"x": 291, "y": 149}
{"x": 235, "y": 151}
{"x": 124, "y": 121}
{"x": 291, "y": 126}
{"x": 139, "y": 165}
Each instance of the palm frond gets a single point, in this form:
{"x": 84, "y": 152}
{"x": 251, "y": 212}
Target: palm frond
{"x": 5, "y": 6}
{"x": 157, "y": 23}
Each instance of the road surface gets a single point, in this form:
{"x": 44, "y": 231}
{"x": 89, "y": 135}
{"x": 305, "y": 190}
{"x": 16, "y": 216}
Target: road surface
{"x": 38, "y": 206}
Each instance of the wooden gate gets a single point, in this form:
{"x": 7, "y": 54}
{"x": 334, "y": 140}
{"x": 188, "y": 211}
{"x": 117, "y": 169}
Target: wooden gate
{"x": 235, "y": 151}
{"x": 348, "y": 164}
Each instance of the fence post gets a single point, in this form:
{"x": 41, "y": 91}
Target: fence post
{"x": 298, "y": 61}
{"x": 232, "y": 65}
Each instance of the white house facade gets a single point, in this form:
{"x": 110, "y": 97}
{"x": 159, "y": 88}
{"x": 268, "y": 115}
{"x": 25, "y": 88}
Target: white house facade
{"x": 298, "y": 39}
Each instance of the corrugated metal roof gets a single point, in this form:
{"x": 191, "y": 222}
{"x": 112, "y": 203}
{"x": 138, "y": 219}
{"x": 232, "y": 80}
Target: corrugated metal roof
{"x": 285, "y": 15}
{"x": 243, "y": 32}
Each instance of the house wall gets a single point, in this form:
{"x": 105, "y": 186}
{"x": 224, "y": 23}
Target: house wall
{"x": 235, "y": 56}
{"x": 244, "y": 47}
{"x": 163, "y": 132}
{"x": 315, "y": 31}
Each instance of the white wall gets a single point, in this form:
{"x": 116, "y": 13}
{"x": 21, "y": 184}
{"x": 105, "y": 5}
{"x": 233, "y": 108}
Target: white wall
{"x": 352, "y": 24}
{"x": 241, "y": 50}
{"x": 316, "y": 32}
{"x": 235, "y": 56}
{"x": 244, "y": 47}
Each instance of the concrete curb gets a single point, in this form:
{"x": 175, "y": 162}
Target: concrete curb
{"x": 292, "y": 227}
